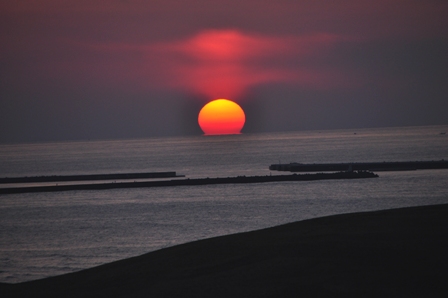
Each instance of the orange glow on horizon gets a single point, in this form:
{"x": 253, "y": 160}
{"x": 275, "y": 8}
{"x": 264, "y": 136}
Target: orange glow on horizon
{"x": 220, "y": 117}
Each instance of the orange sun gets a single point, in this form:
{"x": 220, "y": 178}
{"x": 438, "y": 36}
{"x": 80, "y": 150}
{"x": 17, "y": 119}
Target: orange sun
{"x": 221, "y": 117}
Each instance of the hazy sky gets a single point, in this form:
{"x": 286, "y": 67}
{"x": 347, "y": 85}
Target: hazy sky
{"x": 90, "y": 69}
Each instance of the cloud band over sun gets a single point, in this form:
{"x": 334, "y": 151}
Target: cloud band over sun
{"x": 226, "y": 63}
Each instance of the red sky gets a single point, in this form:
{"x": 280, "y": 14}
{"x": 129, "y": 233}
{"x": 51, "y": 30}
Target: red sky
{"x": 121, "y": 69}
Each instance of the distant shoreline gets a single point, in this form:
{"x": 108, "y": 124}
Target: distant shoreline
{"x": 387, "y": 253}
{"x": 192, "y": 182}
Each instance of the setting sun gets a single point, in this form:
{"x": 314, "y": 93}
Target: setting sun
{"x": 221, "y": 116}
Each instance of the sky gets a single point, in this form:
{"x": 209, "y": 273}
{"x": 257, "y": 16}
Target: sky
{"x": 112, "y": 69}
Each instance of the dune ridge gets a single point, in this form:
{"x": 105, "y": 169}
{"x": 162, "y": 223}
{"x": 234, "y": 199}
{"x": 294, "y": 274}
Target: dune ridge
{"x": 400, "y": 252}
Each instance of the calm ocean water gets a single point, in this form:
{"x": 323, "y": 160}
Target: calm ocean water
{"x": 46, "y": 234}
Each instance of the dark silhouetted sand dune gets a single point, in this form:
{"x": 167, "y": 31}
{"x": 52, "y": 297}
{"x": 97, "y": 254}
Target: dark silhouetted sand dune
{"x": 391, "y": 253}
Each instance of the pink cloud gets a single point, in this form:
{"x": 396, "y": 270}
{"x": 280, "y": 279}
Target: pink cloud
{"x": 213, "y": 63}
{"x": 226, "y": 63}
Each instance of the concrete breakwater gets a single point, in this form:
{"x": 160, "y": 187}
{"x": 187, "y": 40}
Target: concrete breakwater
{"x": 118, "y": 176}
{"x": 361, "y": 166}
{"x": 192, "y": 182}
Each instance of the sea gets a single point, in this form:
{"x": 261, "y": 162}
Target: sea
{"x": 48, "y": 234}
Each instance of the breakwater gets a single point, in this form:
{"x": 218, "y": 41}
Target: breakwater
{"x": 361, "y": 166}
{"x": 93, "y": 177}
{"x": 193, "y": 182}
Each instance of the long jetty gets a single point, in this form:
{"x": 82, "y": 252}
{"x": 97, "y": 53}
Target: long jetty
{"x": 361, "y": 166}
{"x": 92, "y": 177}
{"x": 192, "y": 182}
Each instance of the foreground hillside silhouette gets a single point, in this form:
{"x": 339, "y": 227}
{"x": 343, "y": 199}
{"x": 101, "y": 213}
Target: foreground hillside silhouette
{"x": 391, "y": 253}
